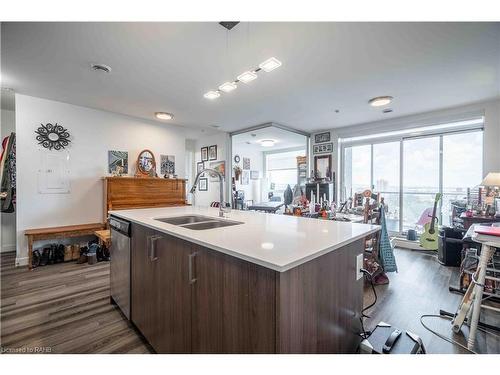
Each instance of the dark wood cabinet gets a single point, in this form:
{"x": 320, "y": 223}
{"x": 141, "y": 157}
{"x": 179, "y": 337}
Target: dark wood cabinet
{"x": 190, "y": 299}
{"x": 161, "y": 290}
{"x": 233, "y": 305}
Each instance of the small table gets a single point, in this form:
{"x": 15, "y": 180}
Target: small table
{"x": 58, "y": 232}
{"x": 267, "y": 206}
{"x": 104, "y": 237}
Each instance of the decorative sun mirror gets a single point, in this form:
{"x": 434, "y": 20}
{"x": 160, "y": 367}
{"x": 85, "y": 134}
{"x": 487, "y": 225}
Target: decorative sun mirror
{"x": 146, "y": 164}
{"x": 52, "y": 136}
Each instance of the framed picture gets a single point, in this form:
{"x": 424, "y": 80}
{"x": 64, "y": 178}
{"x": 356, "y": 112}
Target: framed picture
{"x": 245, "y": 177}
{"x": 203, "y": 184}
{"x": 200, "y": 166}
{"x": 118, "y": 162}
{"x": 212, "y": 152}
{"x": 323, "y": 148}
{"x": 167, "y": 164}
{"x": 322, "y": 137}
{"x": 204, "y": 153}
{"x": 219, "y": 166}
{"x": 246, "y": 163}
{"x": 254, "y": 175}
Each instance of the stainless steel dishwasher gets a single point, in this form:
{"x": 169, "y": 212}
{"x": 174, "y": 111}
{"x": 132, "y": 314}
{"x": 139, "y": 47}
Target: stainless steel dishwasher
{"x": 120, "y": 264}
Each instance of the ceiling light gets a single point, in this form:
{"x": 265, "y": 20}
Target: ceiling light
{"x": 228, "y": 86}
{"x": 270, "y": 64}
{"x": 247, "y": 77}
{"x": 212, "y": 95}
{"x": 267, "y": 143}
{"x": 164, "y": 115}
{"x": 380, "y": 101}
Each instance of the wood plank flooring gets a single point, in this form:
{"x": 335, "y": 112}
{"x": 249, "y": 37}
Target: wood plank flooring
{"x": 65, "y": 308}
{"x": 62, "y": 308}
{"x": 421, "y": 287}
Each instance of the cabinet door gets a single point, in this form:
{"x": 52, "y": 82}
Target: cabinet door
{"x": 161, "y": 290}
{"x": 233, "y": 305}
{"x": 144, "y": 278}
{"x": 173, "y": 296}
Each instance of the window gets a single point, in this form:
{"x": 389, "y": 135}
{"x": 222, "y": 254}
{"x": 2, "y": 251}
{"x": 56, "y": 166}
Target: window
{"x": 446, "y": 163}
{"x": 281, "y": 170}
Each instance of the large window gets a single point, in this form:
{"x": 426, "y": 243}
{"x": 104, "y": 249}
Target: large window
{"x": 415, "y": 168}
{"x": 281, "y": 170}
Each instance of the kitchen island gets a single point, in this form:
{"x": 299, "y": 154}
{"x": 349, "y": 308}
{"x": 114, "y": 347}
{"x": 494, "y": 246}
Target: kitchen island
{"x": 263, "y": 284}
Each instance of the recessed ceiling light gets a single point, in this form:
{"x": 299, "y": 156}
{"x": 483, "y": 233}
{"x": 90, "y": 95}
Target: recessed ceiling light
{"x": 164, "y": 115}
{"x": 212, "y": 95}
{"x": 380, "y": 101}
{"x": 247, "y": 77}
{"x": 270, "y": 64}
{"x": 267, "y": 245}
{"x": 101, "y": 68}
{"x": 267, "y": 143}
{"x": 228, "y": 86}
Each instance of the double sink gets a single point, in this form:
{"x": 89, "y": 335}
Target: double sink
{"x": 198, "y": 222}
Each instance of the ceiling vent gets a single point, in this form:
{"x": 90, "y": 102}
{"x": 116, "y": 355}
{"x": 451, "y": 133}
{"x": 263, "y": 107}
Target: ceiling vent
{"x": 101, "y": 68}
{"x": 229, "y": 24}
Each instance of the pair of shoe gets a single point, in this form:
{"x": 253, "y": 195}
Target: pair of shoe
{"x": 83, "y": 255}
{"x": 51, "y": 254}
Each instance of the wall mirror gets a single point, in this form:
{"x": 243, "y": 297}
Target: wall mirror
{"x": 146, "y": 164}
{"x": 323, "y": 166}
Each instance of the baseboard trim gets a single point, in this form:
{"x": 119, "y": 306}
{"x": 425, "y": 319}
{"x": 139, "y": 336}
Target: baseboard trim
{"x": 21, "y": 261}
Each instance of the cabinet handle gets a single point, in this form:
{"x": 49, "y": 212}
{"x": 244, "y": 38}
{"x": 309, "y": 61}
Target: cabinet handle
{"x": 192, "y": 278}
{"x": 152, "y": 248}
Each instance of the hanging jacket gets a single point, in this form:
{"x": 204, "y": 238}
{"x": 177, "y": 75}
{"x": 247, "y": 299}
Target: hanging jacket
{"x": 8, "y": 174}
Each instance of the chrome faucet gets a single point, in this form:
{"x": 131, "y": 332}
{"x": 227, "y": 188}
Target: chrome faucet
{"x": 222, "y": 204}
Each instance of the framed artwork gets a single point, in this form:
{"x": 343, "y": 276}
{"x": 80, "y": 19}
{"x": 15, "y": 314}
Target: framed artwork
{"x": 323, "y": 166}
{"x": 200, "y": 166}
{"x": 204, "y": 154}
{"x": 219, "y": 166}
{"x": 245, "y": 180}
{"x": 322, "y": 137}
{"x": 167, "y": 164}
{"x": 118, "y": 162}
{"x": 323, "y": 148}
{"x": 246, "y": 163}
{"x": 254, "y": 175}
{"x": 203, "y": 184}
{"x": 212, "y": 152}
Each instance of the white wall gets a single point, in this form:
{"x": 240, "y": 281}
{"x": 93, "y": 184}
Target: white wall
{"x": 93, "y": 133}
{"x": 254, "y": 152}
{"x": 204, "y": 198}
{"x": 8, "y": 219}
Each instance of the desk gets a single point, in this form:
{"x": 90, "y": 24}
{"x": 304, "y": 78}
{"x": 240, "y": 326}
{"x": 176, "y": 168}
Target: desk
{"x": 266, "y": 206}
{"x": 477, "y": 219}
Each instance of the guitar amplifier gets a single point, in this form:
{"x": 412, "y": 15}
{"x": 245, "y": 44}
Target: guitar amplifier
{"x": 388, "y": 340}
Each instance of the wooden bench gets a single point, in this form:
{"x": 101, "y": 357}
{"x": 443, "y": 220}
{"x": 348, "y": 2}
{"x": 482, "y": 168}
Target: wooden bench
{"x": 58, "y": 232}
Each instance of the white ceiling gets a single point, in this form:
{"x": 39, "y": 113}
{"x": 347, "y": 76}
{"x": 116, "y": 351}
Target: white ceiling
{"x": 326, "y": 66}
{"x": 284, "y": 139}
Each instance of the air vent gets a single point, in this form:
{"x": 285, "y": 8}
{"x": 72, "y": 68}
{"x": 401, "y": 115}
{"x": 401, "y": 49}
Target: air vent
{"x": 387, "y": 110}
{"x": 101, "y": 68}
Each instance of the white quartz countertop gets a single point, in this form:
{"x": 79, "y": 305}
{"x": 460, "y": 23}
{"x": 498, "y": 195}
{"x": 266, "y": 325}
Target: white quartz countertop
{"x": 279, "y": 242}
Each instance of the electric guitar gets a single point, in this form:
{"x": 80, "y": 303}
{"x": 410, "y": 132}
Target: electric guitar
{"x": 429, "y": 239}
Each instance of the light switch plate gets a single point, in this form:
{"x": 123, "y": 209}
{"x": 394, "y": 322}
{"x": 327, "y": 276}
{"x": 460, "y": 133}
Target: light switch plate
{"x": 359, "y": 265}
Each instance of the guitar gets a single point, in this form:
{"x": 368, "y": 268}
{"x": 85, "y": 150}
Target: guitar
{"x": 429, "y": 239}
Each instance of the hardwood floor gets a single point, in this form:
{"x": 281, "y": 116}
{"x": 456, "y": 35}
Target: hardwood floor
{"x": 62, "y": 308}
{"x": 421, "y": 287}
{"x": 65, "y": 307}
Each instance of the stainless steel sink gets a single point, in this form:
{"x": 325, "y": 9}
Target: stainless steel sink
{"x": 186, "y": 219}
{"x": 211, "y": 224}
{"x": 198, "y": 222}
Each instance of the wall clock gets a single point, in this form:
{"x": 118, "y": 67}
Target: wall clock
{"x": 236, "y": 158}
{"x": 52, "y": 136}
